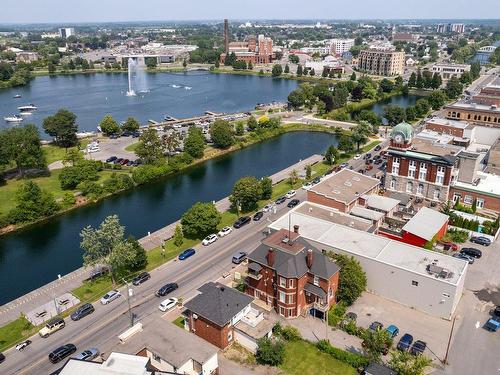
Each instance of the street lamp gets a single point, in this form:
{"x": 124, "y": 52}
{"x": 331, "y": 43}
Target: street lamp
{"x": 130, "y": 292}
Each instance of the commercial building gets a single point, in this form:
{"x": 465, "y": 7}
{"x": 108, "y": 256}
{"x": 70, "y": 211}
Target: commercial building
{"x": 482, "y": 114}
{"x": 26, "y": 57}
{"x": 450, "y": 28}
{"x": 488, "y": 95}
{"x": 339, "y": 46}
{"x": 404, "y": 37}
{"x": 450, "y": 70}
{"x": 292, "y": 276}
{"x": 427, "y": 281}
{"x": 451, "y": 127}
{"x": 484, "y": 191}
{"x": 66, "y": 32}
{"x": 381, "y": 62}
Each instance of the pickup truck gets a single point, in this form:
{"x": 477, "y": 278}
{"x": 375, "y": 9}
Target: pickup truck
{"x": 492, "y": 325}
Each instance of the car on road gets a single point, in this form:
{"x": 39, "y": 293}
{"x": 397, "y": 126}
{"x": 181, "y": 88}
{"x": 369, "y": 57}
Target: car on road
{"x": 88, "y": 355}
{"x": 344, "y": 165}
{"x": 53, "y": 325}
{"x": 378, "y": 161}
{"x": 244, "y": 220}
{"x": 225, "y": 231}
{"x": 392, "y": 330}
{"x": 280, "y": 200}
{"x": 82, "y": 311}
{"x": 290, "y": 194}
{"x": 23, "y": 345}
{"x": 362, "y": 171}
{"x": 61, "y": 353}
{"x": 140, "y": 278}
{"x": 293, "y": 203}
{"x": 258, "y": 215}
{"x": 168, "y": 304}
{"x": 481, "y": 240}
{"x": 472, "y": 252}
{"x": 369, "y": 167}
{"x": 210, "y": 239}
{"x": 111, "y": 159}
{"x": 357, "y": 157}
{"x": 405, "y": 342}
{"x": 378, "y": 148}
{"x": 418, "y": 347}
{"x": 239, "y": 257}
{"x": 110, "y": 296}
{"x": 467, "y": 258}
{"x": 166, "y": 289}
{"x": 375, "y": 326}
{"x": 187, "y": 253}
{"x": 367, "y": 156}
{"x": 268, "y": 207}
{"x": 307, "y": 186}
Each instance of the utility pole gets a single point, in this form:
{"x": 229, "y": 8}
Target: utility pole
{"x": 129, "y": 290}
{"x": 445, "y": 360}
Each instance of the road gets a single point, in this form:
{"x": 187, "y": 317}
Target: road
{"x": 101, "y": 328}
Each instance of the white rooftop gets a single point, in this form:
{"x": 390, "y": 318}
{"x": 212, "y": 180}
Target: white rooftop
{"x": 363, "y": 244}
{"x": 441, "y": 138}
{"x": 366, "y": 213}
{"x": 489, "y": 184}
{"x": 451, "y": 123}
{"x": 380, "y": 202}
{"x": 116, "y": 364}
{"x": 426, "y": 223}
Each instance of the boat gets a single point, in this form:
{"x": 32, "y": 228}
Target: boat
{"x": 17, "y": 96}
{"x": 29, "y": 107}
{"x": 26, "y": 113}
{"x": 168, "y": 118}
{"x": 14, "y": 118}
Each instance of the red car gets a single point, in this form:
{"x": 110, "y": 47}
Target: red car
{"x": 124, "y": 162}
{"x": 369, "y": 167}
{"x": 449, "y": 245}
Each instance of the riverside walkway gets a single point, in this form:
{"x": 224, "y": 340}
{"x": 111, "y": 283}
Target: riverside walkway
{"x": 46, "y": 293}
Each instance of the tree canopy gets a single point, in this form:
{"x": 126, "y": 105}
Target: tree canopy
{"x": 222, "y": 134}
{"x": 62, "y": 126}
{"x": 109, "y": 126}
{"x": 151, "y": 147}
{"x": 246, "y": 193}
{"x": 201, "y": 219}
{"x": 352, "y": 280}
{"x": 32, "y": 203}
{"x": 194, "y": 144}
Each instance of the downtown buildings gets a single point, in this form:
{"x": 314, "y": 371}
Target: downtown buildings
{"x": 384, "y": 62}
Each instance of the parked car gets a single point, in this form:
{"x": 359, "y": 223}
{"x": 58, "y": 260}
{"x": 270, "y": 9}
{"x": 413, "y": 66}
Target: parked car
{"x": 118, "y": 161}
{"x": 418, "y": 347}
{"x": 130, "y": 163}
{"x": 225, "y": 231}
{"x": 378, "y": 147}
{"x": 23, "y": 345}
{"x": 187, "y": 253}
{"x": 405, "y": 342}
{"x": 367, "y": 156}
{"x": 2, "y": 357}
{"x": 392, "y": 330}
{"x": 61, "y": 353}
{"x": 375, "y": 326}
{"x": 369, "y": 167}
{"x": 124, "y": 162}
{"x": 307, "y": 186}
{"x": 244, "y": 220}
{"x": 290, "y": 194}
{"x": 481, "y": 240}
{"x": 210, "y": 239}
{"x": 140, "y": 278}
{"x": 239, "y": 257}
{"x": 448, "y": 245}
{"x": 88, "y": 355}
{"x": 168, "y": 304}
{"x": 110, "y": 296}
{"x": 464, "y": 257}
{"x": 111, "y": 159}
{"x": 98, "y": 272}
{"x": 293, "y": 203}
{"x": 166, "y": 289}
{"x": 258, "y": 215}
{"x": 53, "y": 325}
{"x": 268, "y": 207}
{"x": 492, "y": 324}
{"x": 496, "y": 312}
{"x": 280, "y": 200}
{"x": 316, "y": 180}
{"x": 82, "y": 311}
{"x": 472, "y": 252}
{"x": 357, "y": 157}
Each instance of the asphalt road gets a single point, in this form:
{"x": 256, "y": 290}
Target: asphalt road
{"x": 100, "y": 329}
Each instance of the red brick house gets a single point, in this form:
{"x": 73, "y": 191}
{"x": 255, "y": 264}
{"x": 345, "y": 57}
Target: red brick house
{"x": 289, "y": 274}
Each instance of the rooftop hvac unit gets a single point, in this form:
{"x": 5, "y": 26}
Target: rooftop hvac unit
{"x": 439, "y": 272}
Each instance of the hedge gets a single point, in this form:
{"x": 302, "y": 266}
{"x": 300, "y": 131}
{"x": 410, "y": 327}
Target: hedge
{"x": 355, "y": 360}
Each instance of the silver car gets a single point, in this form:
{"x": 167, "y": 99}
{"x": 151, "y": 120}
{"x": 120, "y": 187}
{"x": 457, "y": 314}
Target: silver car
{"x": 110, "y": 296}
{"x": 88, "y": 355}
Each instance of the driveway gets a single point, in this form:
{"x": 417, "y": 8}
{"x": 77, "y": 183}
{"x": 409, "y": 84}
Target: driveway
{"x": 114, "y": 147}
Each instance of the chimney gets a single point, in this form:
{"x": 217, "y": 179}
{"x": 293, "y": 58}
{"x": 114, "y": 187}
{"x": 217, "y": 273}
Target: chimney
{"x": 296, "y": 229}
{"x": 226, "y": 36}
{"x": 270, "y": 257}
{"x": 309, "y": 258}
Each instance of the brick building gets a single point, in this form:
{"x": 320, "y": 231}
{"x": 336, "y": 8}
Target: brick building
{"x": 382, "y": 62}
{"x": 484, "y": 190}
{"x": 481, "y": 114}
{"x": 451, "y": 127}
{"x": 489, "y": 95}
{"x": 292, "y": 276}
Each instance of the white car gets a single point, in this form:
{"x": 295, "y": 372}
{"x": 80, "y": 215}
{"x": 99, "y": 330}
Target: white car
{"x": 225, "y": 231}
{"x": 110, "y": 296}
{"x": 168, "y": 304}
{"x": 268, "y": 207}
{"x": 307, "y": 186}
{"x": 290, "y": 194}
{"x": 211, "y": 238}
{"x": 357, "y": 157}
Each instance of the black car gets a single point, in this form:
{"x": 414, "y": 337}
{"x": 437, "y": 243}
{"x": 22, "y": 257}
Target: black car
{"x": 136, "y": 135}
{"x": 82, "y": 311}
{"x": 98, "y": 272}
{"x": 118, "y": 161}
{"x": 376, "y": 326}
{"x": 496, "y": 313}
{"x": 126, "y": 134}
{"x": 61, "y": 353}
{"x": 244, "y": 220}
{"x": 111, "y": 159}
{"x": 316, "y": 180}
{"x": 280, "y": 200}
{"x": 293, "y": 203}
{"x": 405, "y": 342}
{"x": 140, "y": 278}
{"x": 472, "y": 252}
{"x": 2, "y": 357}
{"x": 378, "y": 148}
{"x": 418, "y": 347}
{"x": 166, "y": 289}
{"x": 481, "y": 241}
{"x": 258, "y": 215}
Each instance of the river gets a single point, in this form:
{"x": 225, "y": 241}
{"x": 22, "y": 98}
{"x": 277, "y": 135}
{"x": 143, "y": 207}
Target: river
{"x": 35, "y": 256}
{"x": 91, "y": 96}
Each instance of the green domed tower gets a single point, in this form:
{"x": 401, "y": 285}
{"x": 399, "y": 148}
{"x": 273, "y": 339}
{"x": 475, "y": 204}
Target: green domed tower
{"x": 401, "y": 135}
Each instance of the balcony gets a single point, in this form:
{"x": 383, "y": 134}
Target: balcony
{"x": 255, "y": 276}
{"x": 253, "y": 317}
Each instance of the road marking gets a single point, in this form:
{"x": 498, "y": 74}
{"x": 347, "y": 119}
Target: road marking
{"x": 478, "y": 324}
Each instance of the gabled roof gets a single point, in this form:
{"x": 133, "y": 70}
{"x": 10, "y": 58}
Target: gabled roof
{"x": 218, "y": 303}
{"x": 426, "y": 223}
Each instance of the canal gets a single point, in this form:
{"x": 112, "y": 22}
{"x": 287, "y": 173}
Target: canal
{"x": 35, "y": 256}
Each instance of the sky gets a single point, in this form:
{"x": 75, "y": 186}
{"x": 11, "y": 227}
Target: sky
{"x": 71, "y": 11}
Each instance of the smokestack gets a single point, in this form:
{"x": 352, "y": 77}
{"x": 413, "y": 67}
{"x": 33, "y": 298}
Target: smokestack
{"x": 270, "y": 257}
{"x": 296, "y": 229}
{"x": 226, "y": 36}
{"x": 309, "y": 258}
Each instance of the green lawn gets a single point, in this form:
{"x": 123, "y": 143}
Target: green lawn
{"x": 54, "y": 153}
{"x": 15, "y": 331}
{"x": 179, "y": 322}
{"x": 132, "y": 147}
{"x": 92, "y": 291}
{"x": 303, "y": 358}
{"x": 370, "y": 145}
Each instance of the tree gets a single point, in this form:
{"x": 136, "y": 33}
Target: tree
{"x": 84, "y": 170}
{"x": 308, "y": 171}
{"x": 270, "y": 352}
{"x": 184, "y": 63}
{"x": 151, "y": 147}
{"x": 21, "y": 145}
{"x": 178, "y": 236}
{"x": 239, "y": 128}
{"x": 252, "y": 123}
{"x": 394, "y": 114}
{"x": 312, "y": 72}
{"x": 420, "y": 80}
{"x": 108, "y": 125}
{"x": 386, "y": 85}
{"x": 359, "y": 138}
{"x": 294, "y": 177}
{"x": 453, "y": 88}
{"x": 353, "y": 76}
{"x": 171, "y": 141}
{"x": 62, "y": 127}
{"x": 32, "y": 203}
{"x": 345, "y": 143}
{"x": 436, "y": 81}
{"x": 51, "y": 68}
{"x": 405, "y": 363}
{"x": 299, "y": 70}
{"x": 475, "y": 70}
{"x": 277, "y": 70}
{"x": 229, "y": 60}
{"x": 331, "y": 154}
{"x": 250, "y": 65}
{"x": 140, "y": 258}
{"x": 437, "y": 99}
{"x": 412, "y": 81}
{"x": 398, "y": 82}
{"x": 352, "y": 281}
{"x": 130, "y": 125}
{"x": 247, "y": 191}
{"x": 465, "y": 78}
{"x": 221, "y": 133}
{"x": 375, "y": 343}
{"x": 200, "y": 220}
{"x": 151, "y": 63}
{"x": 73, "y": 157}
{"x": 195, "y": 142}
{"x": 217, "y": 64}
{"x": 266, "y": 186}
{"x": 287, "y": 69}
{"x": 294, "y": 59}
{"x": 422, "y": 107}
{"x": 410, "y": 113}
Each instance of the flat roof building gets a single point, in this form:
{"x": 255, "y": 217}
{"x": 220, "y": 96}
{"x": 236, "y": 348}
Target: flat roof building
{"x": 482, "y": 114}
{"x": 381, "y": 62}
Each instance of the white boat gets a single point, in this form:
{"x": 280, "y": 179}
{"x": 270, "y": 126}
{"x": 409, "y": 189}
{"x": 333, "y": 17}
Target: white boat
{"x": 29, "y": 107}
{"x": 17, "y": 96}
{"x": 14, "y": 118}
{"x": 26, "y": 113}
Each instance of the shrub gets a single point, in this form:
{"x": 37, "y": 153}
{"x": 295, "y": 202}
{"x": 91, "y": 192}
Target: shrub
{"x": 147, "y": 173}
{"x": 91, "y": 189}
{"x": 355, "y": 360}
{"x": 117, "y": 182}
{"x": 68, "y": 200}
{"x": 336, "y": 313}
{"x": 290, "y": 333}
{"x": 85, "y": 170}
{"x": 270, "y": 352}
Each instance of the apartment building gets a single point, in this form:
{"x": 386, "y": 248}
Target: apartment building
{"x": 339, "y": 46}
{"x": 381, "y": 62}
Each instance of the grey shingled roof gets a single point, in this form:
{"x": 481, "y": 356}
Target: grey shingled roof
{"x": 316, "y": 290}
{"x": 218, "y": 303}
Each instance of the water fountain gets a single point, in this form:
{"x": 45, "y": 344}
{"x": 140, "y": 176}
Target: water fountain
{"x": 136, "y": 77}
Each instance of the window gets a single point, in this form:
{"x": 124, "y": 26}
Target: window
{"x": 456, "y": 197}
{"x": 409, "y": 187}
{"x": 290, "y": 312}
{"x": 395, "y": 161}
{"x": 316, "y": 280}
{"x": 282, "y": 311}
{"x": 422, "y": 174}
{"x": 420, "y": 189}
{"x": 411, "y": 173}
{"x": 256, "y": 293}
{"x": 423, "y": 165}
{"x": 393, "y": 184}
{"x": 282, "y": 296}
{"x": 291, "y": 283}
{"x": 440, "y": 175}
{"x": 230, "y": 336}
{"x": 437, "y": 194}
{"x": 439, "y": 179}
{"x": 395, "y": 168}
{"x": 468, "y": 199}
{"x": 282, "y": 282}
{"x": 479, "y": 203}
{"x": 414, "y": 283}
